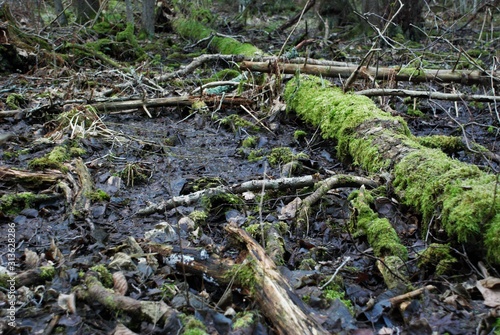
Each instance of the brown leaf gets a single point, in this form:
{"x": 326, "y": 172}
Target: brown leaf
{"x": 31, "y": 259}
{"x": 67, "y": 302}
{"x": 120, "y": 284}
{"x": 490, "y": 289}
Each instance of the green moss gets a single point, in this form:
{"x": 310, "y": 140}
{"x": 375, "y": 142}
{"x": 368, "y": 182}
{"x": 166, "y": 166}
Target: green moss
{"x": 244, "y": 320}
{"x": 220, "y": 199}
{"x": 234, "y": 122}
{"x": 127, "y": 35}
{"x": 198, "y": 216}
{"x": 243, "y": 274}
{"x": 256, "y": 155}
{"x": 193, "y": 29}
{"x": 381, "y": 235}
{"x": 77, "y": 152}
{"x": 299, "y": 134}
{"x": 15, "y": 100}
{"x": 98, "y": 195}
{"x": 338, "y": 115}
{"x": 307, "y": 264}
{"x": 224, "y": 74}
{"x": 249, "y": 142}
{"x": 412, "y": 72}
{"x": 12, "y": 204}
{"x": 53, "y": 160}
{"x": 169, "y": 290}
{"x": 194, "y": 326}
{"x": 283, "y": 155}
{"x": 393, "y": 270}
{"x": 47, "y": 272}
{"x": 414, "y": 112}
{"x": 443, "y": 142}
{"x": 437, "y": 259}
{"x": 335, "y": 291}
{"x": 253, "y": 229}
{"x": 105, "y": 277}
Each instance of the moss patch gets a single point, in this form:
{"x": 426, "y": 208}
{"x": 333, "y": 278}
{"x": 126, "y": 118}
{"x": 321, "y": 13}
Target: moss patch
{"x": 437, "y": 258}
{"x": 380, "y": 234}
{"x": 193, "y": 29}
{"x": 443, "y": 142}
{"x": 461, "y": 194}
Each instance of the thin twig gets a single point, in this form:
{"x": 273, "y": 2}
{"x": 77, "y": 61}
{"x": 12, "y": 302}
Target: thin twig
{"x": 348, "y": 258}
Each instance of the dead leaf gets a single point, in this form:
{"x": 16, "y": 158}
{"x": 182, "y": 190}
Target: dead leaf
{"x": 290, "y": 210}
{"x": 31, "y": 259}
{"x": 67, "y": 302}
{"x": 490, "y": 289}
{"x": 120, "y": 284}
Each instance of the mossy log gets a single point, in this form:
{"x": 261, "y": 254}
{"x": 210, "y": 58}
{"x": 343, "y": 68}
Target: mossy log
{"x": 456, "y": 196}
{"x": 195, "y": 30}
{"x": 467, "y": 77}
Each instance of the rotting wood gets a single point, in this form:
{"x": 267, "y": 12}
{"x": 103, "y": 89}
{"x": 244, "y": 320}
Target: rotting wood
{"x": 156, "y": 312}
{"x": 274, "y": 294}
{"x": 464, "y": 197}
{"x": 379, "y": 73}
{"x": 81, "y": 203}
{"x": 30, "y": 179}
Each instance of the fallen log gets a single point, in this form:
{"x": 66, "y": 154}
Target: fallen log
{"x": 274, "y": 294}
{"x": 455, "y": 196}
{"x": 399, "y": 73}
{"x": 184, "y": 100}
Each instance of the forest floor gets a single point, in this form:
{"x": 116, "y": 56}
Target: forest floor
{"x": 141, "y": 157}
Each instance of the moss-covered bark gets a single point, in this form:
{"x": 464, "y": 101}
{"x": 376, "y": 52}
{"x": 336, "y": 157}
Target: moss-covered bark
{"x": 194, "y": 30}
{"x": 461, "y": 196}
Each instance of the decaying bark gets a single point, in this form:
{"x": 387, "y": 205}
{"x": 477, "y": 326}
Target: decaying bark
{"x": 274, "y": 294}
{"x": 375, "y": 73}
{"x": 29, "y": 179}
{"x": 81, "y": 203}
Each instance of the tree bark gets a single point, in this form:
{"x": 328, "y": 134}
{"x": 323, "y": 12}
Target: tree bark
{"x": 86, "y": 10}
{"x": 130, "y": 12}
{"x": 59, "y": 9}
{"x": 148, "y": 17}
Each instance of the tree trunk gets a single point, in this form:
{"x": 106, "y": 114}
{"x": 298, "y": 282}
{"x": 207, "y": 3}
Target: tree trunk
{"x": 148, "y": 17}
{"x": 86, "y": 10}
{"x": 456, "y": 197}
{"x": 61, "y": 16}
{"x": 130, "y": 12}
